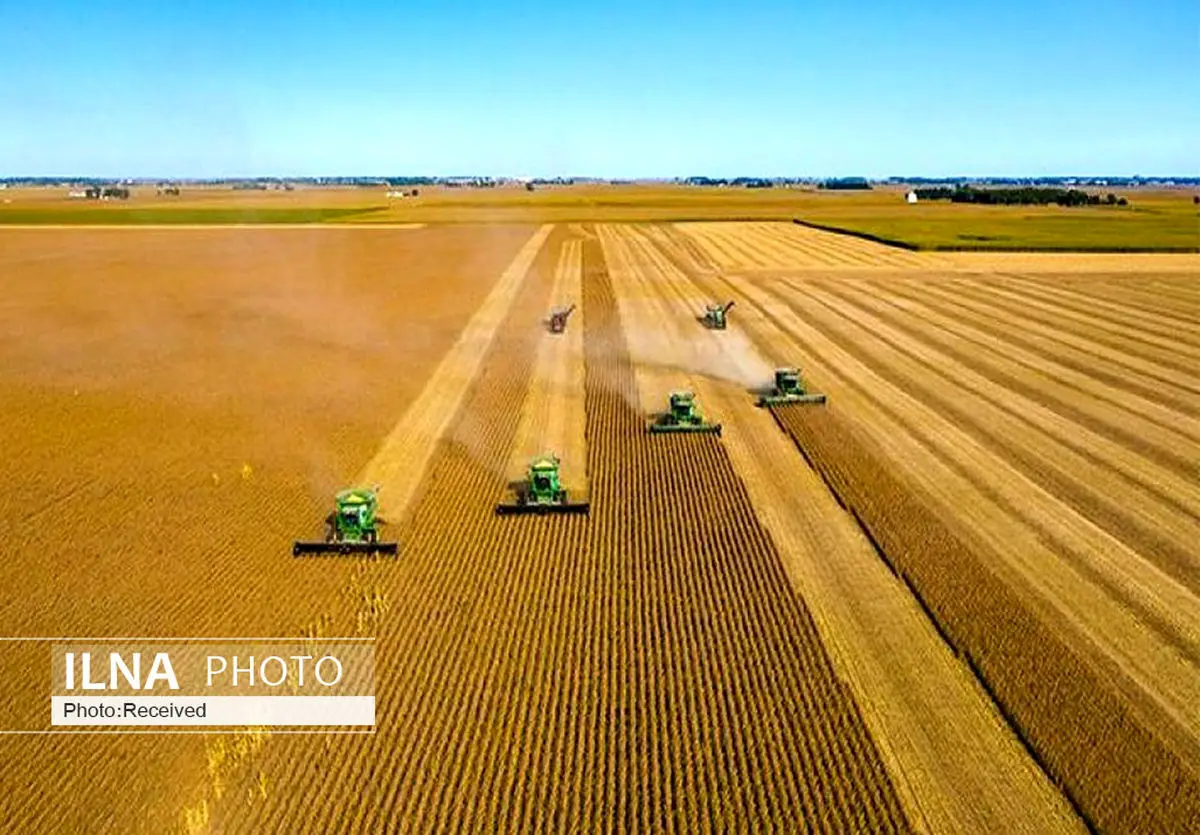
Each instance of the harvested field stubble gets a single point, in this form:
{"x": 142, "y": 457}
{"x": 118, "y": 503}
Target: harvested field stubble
{"x": 399, "y": 467}
{"x": 193, "y": 353}
{"x": 1022, "y": 449}
{"x": 716, "y": 556}
{"x": 1120, "y": 776}
{"x": 1068, "y": 570}
{"x": 552, "y": 415}
{"x": 646, "y": 668}
{"x": 918, "y": 700}
{"x": 1131, "y": 497}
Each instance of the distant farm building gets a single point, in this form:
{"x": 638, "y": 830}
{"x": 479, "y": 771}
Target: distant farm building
{"x": 911, "y": 197}
{"x": 100, "y": 193}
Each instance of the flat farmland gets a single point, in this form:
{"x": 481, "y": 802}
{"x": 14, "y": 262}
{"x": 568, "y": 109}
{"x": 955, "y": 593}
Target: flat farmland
{"x": 960, "y": 597}
{"x": 1156, "y": 219}
{"x": 143, "y": 371}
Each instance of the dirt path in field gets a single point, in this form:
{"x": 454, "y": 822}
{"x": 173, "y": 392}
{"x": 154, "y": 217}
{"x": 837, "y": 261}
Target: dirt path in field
{"x": 552, "y": 416}
{"x": 401, "y": 463}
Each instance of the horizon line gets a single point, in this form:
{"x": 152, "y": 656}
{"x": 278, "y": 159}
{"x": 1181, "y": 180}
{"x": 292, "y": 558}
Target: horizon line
{"x": 382, "y": 178}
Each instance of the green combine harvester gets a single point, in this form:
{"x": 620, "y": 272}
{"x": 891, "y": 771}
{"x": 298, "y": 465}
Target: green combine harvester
{"x": 541, "y": 492}
{"x": 789, "y": 388}
{"x": 352, "y": 528}
{"x": 714, "y": 316}
{"x": 683, "y": 416}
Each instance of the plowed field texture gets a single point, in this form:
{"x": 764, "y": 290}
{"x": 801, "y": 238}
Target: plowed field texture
{"x": 962, "y": 596}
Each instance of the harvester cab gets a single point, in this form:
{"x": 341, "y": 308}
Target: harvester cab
{"x": 682, "y": 415}
{"x": 558, "y": 318}
{"x": 789, "y": 388}
{"x": 714, "y": 315}
{"x": 541, "y": 492}
{"x": 352, "y": 528}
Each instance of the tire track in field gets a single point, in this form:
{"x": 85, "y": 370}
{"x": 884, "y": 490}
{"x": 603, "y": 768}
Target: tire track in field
{"x": 848, "y": 249}
{"x": 1120, "y": 777}
{"x": 1164, "y": 599}
{"x": 1141, "y": 298}
{"x": 402, "y": 461}
{"x": 784, "y": 249}
{"x": 767, "y": 246}
{"x": 1176, "y": 291}
{"x": 997, "y": 514}
{"x": 812, "y": 252}
{"x": 1043, "y": 314}
{"x": 1173, "y": 437}
{"x": 1108, "y": 312}
{"x": 721, "y": 242}
{"x": 1117, "y": 369}
{"x": 1152, "y": 469}
{"x": 1151, "y": 346}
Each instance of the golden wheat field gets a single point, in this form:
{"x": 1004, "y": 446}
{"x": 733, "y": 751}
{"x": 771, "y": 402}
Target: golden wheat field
{"x": 961, "y": 596}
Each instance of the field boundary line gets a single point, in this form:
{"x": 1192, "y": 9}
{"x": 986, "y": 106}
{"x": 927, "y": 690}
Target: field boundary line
{"x": 866, "y": 236}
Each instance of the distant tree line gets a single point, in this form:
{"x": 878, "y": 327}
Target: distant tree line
{"x": 1025, "y": 196}
{"x": 845, "y": 184}
{"x": 737, "y": 182}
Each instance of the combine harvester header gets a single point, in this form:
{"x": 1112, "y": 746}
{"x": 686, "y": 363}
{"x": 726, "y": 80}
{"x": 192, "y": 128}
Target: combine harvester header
{"x": 683, "y": 416}
{"x": 541, "y": 492}
{"x": 352, "y": 528}
{"x": 789, "y": 388}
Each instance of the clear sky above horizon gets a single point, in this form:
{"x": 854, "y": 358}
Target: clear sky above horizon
{"x": 619, "y": 89}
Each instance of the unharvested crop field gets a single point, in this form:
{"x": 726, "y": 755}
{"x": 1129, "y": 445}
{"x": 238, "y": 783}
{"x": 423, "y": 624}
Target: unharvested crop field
{"x": 963, "y": 596}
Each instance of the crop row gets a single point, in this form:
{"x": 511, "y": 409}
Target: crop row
{"x": 768, "y": 246}
{"x": 645, "y": 668}
{"x": 1119, "y": 775}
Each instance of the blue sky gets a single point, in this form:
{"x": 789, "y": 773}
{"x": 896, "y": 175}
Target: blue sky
{"x": 620, "y": 88}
